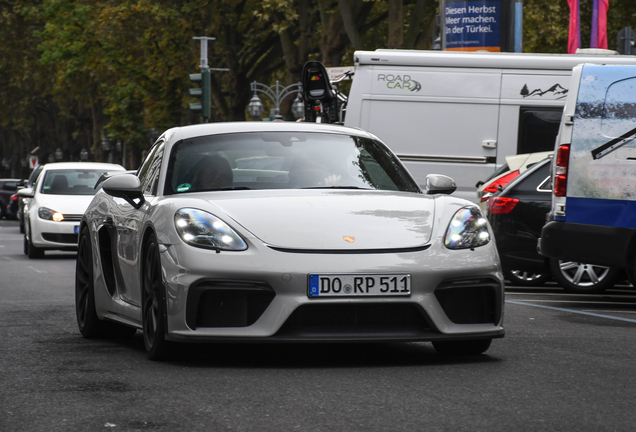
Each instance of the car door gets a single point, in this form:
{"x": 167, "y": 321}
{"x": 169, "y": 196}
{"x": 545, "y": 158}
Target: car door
{"x": 129, "y": 224}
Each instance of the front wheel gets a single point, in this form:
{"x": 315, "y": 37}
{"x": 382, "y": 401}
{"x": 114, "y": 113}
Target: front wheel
{"x": 87, "y": 321}
{"x": 581, "y": 278}
{"x": 153, "y": 303}
{"x": 29, "y": 249}
{"x": 89, "y": 324}
{"x": 524, "y": 278}
{"x": 462, "y": 348}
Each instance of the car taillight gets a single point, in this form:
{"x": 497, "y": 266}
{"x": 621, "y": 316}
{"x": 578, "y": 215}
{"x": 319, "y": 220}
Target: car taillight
{"x": 14, "y": 197}
{"x": 501, "y": 205}
{"x": 494, "y": 186}
{"x": 561, "y": 170}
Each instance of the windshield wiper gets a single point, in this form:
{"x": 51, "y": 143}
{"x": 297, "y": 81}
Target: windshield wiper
{"x": 225, "y": 188}
{"x": 337, "y": 187}
{"x": 614, "y": 144}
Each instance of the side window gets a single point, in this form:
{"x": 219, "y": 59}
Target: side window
{"x": 149, "y": 170}
{"x": 538, "y": 128}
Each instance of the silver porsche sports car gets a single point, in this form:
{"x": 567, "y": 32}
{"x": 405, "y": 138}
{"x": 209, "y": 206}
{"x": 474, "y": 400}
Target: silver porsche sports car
{"x": 284, "y": 231}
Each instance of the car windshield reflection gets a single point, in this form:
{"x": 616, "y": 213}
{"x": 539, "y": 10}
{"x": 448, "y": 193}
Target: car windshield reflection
{"x": 283, "y": 160}
{"x": 70, "y": 182}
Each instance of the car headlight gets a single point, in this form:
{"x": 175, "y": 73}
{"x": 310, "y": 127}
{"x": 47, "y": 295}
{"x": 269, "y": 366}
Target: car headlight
{"x": 202, "y": 229}
{"x": 48, "y": 214}
{"x": 468, "y": 229}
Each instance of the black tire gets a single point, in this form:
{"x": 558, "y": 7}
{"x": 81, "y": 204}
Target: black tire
{"x": 580, "y": 278}
{"x": 30, "y": 250}
{"x": 523, "y": 278}
{"x": 153, "y": 304}
{"x": 89, "y": 324}
{"x": 462, "y": 348}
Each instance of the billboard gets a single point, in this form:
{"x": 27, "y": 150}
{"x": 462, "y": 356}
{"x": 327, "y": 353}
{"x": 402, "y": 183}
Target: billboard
{"x": 472, "y": 25}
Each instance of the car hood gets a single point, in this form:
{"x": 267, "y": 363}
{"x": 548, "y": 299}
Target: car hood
{"x": 334, "y": 220}
{"x": 65, "y": 204}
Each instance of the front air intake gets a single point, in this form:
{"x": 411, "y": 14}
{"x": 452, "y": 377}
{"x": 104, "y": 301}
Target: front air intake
{"x": 471, "y": 301}
{"x": 227, "y": 303}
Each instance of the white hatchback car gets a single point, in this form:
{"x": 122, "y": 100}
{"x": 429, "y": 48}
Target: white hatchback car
{"x": 57, "y": 202}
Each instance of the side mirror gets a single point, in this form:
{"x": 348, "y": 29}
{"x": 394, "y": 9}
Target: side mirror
{"x": 439, "y": 184}
{"x": 126, "y": 186}
{"x": 26, "y": 192}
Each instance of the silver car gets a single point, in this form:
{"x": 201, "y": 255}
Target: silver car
{"x": 281, "y": 231}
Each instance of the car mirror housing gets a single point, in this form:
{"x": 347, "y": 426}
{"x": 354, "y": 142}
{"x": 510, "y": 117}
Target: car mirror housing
{"x": 439, "y": 184}
{"x": 25, "y": 193}
{"x": 126, "y": 186}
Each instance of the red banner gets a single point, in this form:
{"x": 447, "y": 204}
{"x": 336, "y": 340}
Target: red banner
{"x": 574, "y": 36}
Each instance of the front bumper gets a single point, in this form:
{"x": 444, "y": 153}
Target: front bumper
{"x": 47, "y": 234}
{"x": 262, "y": 295}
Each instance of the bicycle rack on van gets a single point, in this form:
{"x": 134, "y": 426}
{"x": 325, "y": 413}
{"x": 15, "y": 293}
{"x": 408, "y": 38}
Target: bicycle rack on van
{"x": 324, "y": 103}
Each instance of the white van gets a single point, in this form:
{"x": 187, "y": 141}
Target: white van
{"x": 593, "y": 215}
{"x": 461, "y": 113}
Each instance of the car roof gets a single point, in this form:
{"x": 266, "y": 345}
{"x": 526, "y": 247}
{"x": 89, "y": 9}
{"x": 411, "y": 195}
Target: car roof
{"x": 516, "y": 162}
{"x": 185, "y": 132}
{"x": 81, "y": 165}
{"x": 525, "y": 175}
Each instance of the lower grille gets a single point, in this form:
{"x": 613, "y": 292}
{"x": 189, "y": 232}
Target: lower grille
{"x": 72, "y": 217}
{"x": 60, "y": 238}
{"x": 471, "y": 301}
{"x": 356, "y": 320}
{"x": 227, "y": 303}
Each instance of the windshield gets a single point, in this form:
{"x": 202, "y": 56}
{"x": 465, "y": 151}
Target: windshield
{"x": 70, "y": 182}
{"x": 284, "y": 160}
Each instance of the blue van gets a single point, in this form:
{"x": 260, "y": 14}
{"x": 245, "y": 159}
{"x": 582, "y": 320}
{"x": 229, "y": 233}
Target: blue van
{"x": 593, "y": 214}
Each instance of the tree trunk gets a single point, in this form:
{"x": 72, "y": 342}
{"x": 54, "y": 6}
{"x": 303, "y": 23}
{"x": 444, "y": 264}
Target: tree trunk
{"x": 396, "y": 23}
{"x": 334, "y": 36}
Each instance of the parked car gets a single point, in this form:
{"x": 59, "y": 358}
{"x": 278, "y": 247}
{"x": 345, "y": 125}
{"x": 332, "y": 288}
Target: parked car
{"x": 57, "y": 202}
{"x": 13, "y": 207}
{"x": 517, "y": 215}
{"x": 7, "y": 188}
{"x": 514, "y": 166}
{"x": 27, "y": 190}
{"x": 301, "y": 232}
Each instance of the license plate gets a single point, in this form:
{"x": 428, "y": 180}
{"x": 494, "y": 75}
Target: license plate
{"x": 76, "y": 229}
{"x": 359, "y": 285}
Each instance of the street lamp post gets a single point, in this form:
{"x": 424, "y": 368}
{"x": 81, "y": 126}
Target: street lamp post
{"x": 105, "y": 145}
{"x": 276, "y": 94}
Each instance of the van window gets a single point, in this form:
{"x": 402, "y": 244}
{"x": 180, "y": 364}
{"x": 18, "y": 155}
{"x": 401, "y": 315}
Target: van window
{"x": 619, "y": 118}
{"x": 538, "y": 128}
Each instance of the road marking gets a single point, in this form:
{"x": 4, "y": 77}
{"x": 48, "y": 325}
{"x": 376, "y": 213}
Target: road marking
{"x": 36, "y": 270}
{"x": 586, "y": 302}
{"x": 600, "y": 296}
{"x": 614, "y": 311}
{"x": 573, "y": 311}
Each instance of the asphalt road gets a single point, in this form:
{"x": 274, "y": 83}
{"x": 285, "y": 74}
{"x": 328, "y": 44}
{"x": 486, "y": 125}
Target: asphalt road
{"x": 566, "y": 364}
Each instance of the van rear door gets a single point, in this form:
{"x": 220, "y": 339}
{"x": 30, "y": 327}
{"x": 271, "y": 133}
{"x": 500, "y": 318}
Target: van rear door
{"x": 601, "y": 173}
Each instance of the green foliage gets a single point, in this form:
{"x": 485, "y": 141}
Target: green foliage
{"x": 70, "y": 70}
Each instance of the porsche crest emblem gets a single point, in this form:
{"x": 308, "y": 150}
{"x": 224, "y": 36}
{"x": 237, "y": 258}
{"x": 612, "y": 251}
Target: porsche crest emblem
{"x": 349, "y": 239}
